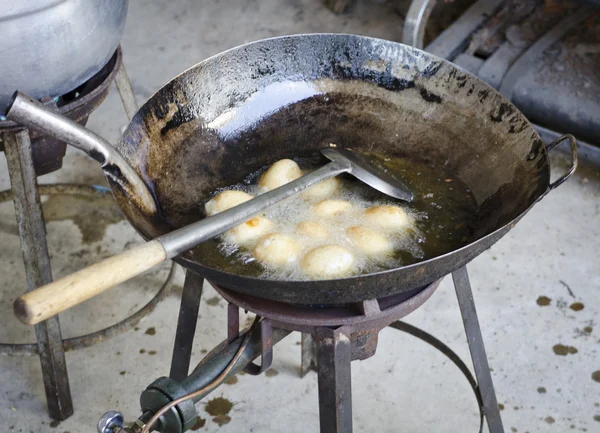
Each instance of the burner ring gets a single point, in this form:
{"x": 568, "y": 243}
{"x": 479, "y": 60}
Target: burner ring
{"x": 359, "y": 317}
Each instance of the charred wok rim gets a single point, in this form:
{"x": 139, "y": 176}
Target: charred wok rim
{"x": 244, "y": 284}
{"x": 416, "y": 52}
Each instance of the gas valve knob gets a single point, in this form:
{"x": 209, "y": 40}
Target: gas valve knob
{"x": 111, "y": 422}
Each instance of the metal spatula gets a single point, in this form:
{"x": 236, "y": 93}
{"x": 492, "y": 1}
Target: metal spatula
{"x": 363, "y": 169}
{"x": 49, "y": 300}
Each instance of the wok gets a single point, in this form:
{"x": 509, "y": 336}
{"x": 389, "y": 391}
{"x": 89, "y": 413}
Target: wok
{"x": 290, "y": 96}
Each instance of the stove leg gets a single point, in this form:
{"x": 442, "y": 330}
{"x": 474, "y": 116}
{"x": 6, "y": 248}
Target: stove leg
{"x": 478, "y": 355}
{"x": 186, "y": 326}
{"x": 308, "y": 353}
{"x": 126, "y": 92}
{"x": 32, "y": 232}
{"x": 334, "y": 375}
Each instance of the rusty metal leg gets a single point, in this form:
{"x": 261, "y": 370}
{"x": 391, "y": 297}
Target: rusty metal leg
{"x": 186, "y": 326}
{"x": 478, "y": 355}
{"x": 334, "y": 355}
{"x": 32, "y": 232}
{"x": 126, "y": 91}
{"x": 308, "y": 361}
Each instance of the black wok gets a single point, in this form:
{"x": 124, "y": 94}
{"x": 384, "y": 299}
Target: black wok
{"x": 236, "y": 112}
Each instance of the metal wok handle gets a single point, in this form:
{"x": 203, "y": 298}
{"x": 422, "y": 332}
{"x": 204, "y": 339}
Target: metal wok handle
{"x": 574, "y": 160}
{"x": 32, "y": 114}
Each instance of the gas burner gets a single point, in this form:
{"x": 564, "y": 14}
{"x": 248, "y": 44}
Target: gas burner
{"x": 373, "y": 314}
{"x": 360, "y": 321}
{"x": 332, "y": 337}
{"x": 78, "y": 104}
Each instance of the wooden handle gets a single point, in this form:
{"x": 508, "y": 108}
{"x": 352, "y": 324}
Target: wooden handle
{"x": 49, "y": 300}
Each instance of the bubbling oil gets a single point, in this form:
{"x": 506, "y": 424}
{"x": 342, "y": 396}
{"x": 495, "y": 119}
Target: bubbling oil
{"x": 442, "y": 214}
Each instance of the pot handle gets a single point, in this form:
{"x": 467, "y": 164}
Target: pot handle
{"x": 32, "y": 114}
{"x": 574, "y": 160}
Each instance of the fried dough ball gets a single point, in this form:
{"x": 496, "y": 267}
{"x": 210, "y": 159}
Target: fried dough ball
{"x": 312, "y": 229}
{"x": 369, "y": 241}
{"x": 249, "y": 231}
{"x": 226, "y": 200}
{"x": 322, "y": 190}
{"x": 280, "y": 173}
{"x": 327, "y": 261}
{"x": 331, "y": 208}
{"x": 276, "y": 249}
{"x": 387, "y": 217}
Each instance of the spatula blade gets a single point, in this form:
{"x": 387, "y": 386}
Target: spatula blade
{"x": 370, "y": 173}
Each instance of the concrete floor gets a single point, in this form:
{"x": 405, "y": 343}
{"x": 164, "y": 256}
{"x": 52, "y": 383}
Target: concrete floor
{"x": 407, "y": 386}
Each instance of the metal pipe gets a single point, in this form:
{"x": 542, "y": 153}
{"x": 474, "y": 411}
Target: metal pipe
{"x": 28, "y": 112}
{"x": 126, "y": 92}
{"x": 165, "y": 391}
{"x": 214, "y": 363}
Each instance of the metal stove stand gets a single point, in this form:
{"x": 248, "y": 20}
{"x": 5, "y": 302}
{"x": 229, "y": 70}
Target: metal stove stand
{"x": 332, "y": 338}
{"x": 30, "y": 154}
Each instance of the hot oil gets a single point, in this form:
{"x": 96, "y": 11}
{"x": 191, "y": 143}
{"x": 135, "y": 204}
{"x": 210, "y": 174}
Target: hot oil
{"x": 447, "y": 208}
{"x": 442, "y": 215}
{"x": 300, "y": 117}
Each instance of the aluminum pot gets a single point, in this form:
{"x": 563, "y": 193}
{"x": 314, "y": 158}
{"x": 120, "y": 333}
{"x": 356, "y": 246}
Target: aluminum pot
{"x": 50, "y": 47}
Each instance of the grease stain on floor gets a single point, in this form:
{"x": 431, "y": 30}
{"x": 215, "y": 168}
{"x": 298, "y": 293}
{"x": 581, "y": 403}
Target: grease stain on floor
{"x": 219, "y": 409}
{"x": 543, "y": 301}
{"x": 562, "y": 350}
{"x": 213, "y": 301}
{"x": 200, "y": 422}
{"x": 221, "y": 420}
{"x": 576, "y": 306}
{"x": 218, "y": 406}
{"x": 91, "y": 215}
{"x": 231, "y": 381}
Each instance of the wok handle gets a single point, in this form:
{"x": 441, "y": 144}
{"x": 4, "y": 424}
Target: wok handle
{"x": 49, "y": 300}
{"x": 32, "y": 114}
{"x": 574, "y": 160}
